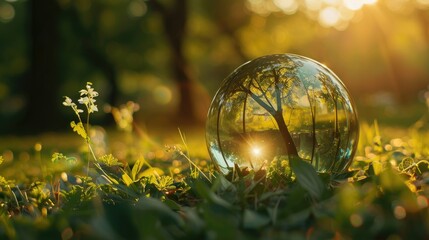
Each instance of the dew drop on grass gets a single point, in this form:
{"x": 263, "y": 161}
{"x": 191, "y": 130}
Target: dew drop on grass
{"x": 279, "y": 106}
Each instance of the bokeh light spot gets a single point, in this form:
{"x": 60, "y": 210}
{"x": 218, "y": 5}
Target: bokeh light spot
{"x": 7, "y": 12}
{"x": 64, "y": 177}
{"x": 67, "y": 233}
{"x": 38, "y": 147}
{"x": 422, "y": 201}
{"x": 287, "y": 6}
{"x": 356, "y": 220}
{"x": 313, "y": 5}
{"x": 7, "y": 155}
{"x": 329, "y": 17}
{"x": 400, "y": 212}
{"x": 162, "y": 95}
{"x": 137, "y": 8}
{"x": 353, "y": 4}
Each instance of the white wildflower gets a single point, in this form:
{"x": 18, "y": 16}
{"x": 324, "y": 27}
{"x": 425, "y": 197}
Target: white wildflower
{"x": 67, "y": 102}
{"x": 84, "y": 100}
{"x": 89, "y": 91}
{"x": 93, "y": 108}
{"x": 88, "y": 98}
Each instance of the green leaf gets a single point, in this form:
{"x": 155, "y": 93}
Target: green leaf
{"x": 378, "y": 167}
{"x": 126, "y": 178}
{"x": 390, "y": 180}
{"x": 222, "y": 184}
{"x": 79, "y": 129}
{"x": 110, "y": 160}
{"x": 151, "y": 172}
{"x": 56, "y": 157}
{"x": 307, "y": 177}
{"x": 172, "y": 204}
{"x": 157, "y": 208}
{"x": 254, "y": 220}
{"x": 210, "y": 196}
{"x": 137, "y": 167}
{"x": 344, "y": 175}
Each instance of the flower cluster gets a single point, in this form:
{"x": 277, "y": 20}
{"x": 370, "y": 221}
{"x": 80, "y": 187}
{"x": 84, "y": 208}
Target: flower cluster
{"x": 68, "y": 102}
{"x": 87, "y": 98}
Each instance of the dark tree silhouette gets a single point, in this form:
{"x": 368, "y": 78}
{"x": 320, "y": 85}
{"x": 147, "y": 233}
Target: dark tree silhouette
{"x": 175, "y": 17}
{"x": 42, "y": 81}
{"x": 230, "y": 16}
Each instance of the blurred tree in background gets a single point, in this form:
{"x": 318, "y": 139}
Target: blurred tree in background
{"x": 170, "y": 55}
{"x": 40, "y": 81}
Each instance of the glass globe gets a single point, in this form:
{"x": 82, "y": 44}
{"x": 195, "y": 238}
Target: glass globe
{"x": 281, "y": 106}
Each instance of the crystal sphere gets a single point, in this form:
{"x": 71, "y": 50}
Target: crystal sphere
{"x": 281, "y": 106}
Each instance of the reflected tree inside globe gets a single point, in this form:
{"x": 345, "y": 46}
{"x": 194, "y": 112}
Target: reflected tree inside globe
{"x": 281, "y": 106}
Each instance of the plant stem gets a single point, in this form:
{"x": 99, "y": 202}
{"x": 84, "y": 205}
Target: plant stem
{"x": 88, "y": 142}
{"x": 14, "y": 196}
{"x": 96, "y": 163}
{"x": 193, "y": 164}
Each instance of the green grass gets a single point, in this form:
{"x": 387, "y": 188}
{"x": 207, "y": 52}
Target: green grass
{"x": 384, "y": 196}
{"x": 122, "y": 184}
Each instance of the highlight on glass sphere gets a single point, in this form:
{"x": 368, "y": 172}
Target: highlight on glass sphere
{"x": 281, "y": 106}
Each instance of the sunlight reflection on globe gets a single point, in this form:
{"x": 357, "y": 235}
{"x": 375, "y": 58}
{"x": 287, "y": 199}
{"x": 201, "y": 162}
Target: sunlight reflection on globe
{"x": 280, "y": 106}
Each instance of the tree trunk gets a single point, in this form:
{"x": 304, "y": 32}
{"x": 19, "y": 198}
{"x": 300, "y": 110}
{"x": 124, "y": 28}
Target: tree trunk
{"x": 230, "y": 16}
{"x": 174, "y": 22}
{"x": 41, "y": 87}
{"x": 287, "y": 137}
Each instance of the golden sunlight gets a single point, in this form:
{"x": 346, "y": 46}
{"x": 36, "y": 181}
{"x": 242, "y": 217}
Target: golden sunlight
{"x": 369, "y": 2}
{"x": 329, "y": 13}
{"x": 287, "y": 6}
{"x": 331, "y": 2}
{"x": 423, "y": 3}
{"x": 329, "y": 17}
{"x": 256, "y": 151}
{"x": 353, "y": 4}
{"x": 313, "y": 5}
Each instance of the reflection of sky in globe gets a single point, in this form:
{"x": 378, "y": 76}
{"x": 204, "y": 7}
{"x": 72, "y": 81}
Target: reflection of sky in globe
{"x": 223, "y": 165}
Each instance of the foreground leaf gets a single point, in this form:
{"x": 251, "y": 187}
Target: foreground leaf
{"x": 307, "y": 177}
{"x": 254, "y": 220}
{"x": 137, "y": 167}
{"x": 79, "y": 129}
{"x": 126, "y": 178}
